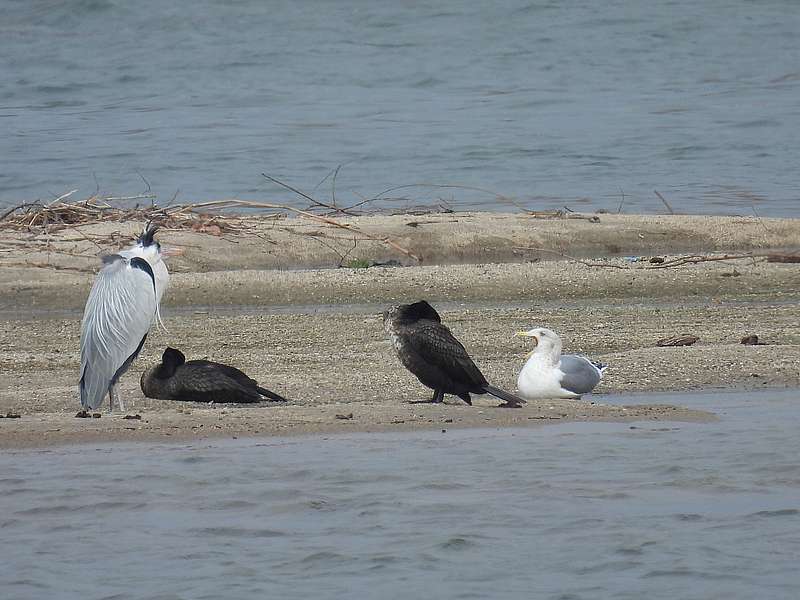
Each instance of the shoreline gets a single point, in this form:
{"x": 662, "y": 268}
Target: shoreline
{"x": 170, "y": 425}
{"x": 314, "y": 335}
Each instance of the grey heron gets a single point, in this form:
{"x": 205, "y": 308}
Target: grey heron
{"x": 122, "y": 305}
{"x": 549, "y": 374}
{"x": 201, "y": 381}
{"x": 429, "y": 350}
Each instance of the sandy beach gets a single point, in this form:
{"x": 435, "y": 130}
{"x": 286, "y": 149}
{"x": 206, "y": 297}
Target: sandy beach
{"x": 275, "y": 306}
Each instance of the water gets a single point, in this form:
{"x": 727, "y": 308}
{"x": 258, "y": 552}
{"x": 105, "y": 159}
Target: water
{"x": 646, "y": 510}
{"x": 552, "y": 103}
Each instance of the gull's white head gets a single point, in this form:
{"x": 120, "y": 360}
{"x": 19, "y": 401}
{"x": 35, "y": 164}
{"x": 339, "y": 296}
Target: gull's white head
{"x": 546, "y": 341}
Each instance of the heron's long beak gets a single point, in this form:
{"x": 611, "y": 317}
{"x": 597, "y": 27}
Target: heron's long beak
{"x": 171, "y": 251}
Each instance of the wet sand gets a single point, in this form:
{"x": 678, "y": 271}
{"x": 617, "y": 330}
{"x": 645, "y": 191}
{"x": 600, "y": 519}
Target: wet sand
{"x": 314, "y": 334}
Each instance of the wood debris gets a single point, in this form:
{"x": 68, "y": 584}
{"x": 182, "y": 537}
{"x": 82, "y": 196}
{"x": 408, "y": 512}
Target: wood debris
{"x": 36, "y": 223}
{"x": 678, "y": 340}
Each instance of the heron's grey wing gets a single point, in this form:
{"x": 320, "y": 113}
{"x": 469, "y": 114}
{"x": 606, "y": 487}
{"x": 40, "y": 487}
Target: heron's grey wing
{"x": 580, "y": 375}
{"x": 117, "y": 317}
{"x": 442, "y": 353}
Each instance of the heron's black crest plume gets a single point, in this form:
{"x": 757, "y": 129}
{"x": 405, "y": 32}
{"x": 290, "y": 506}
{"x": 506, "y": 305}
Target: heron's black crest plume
{"x": 146, "y": 239}
{"x": 417, "y": 311}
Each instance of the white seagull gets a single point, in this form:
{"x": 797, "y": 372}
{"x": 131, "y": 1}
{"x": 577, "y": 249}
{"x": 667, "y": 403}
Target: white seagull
{"x": 120, "y": 309}
{"x": 548, "y": 374}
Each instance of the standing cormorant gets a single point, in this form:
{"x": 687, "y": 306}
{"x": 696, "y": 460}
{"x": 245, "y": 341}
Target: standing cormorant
{"x": 549, "y": 374}
{"x": 121, "y": 307}
{"x": 201, "y": 381}
{"x": 430, "y": 351}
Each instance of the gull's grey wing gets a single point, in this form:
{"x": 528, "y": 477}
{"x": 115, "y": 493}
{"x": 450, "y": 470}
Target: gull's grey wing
{"x": 580, "y": 374}
{"x": 117, "y": 317}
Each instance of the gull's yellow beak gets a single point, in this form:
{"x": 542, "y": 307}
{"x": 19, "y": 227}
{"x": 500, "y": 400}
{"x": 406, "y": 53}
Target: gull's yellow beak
{"x": 528, "y": 335}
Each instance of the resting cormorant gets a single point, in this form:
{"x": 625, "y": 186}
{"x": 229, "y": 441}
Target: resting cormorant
{"x": 549, "y": 374}
{"x": 435, "y": 357}
{"x": 121, "y": 307}
{"x": 201, "y": 381}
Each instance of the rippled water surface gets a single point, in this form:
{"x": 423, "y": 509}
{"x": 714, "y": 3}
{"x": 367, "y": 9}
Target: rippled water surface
{"x": 553, "y": 103}
{"x": 655, "y": 510}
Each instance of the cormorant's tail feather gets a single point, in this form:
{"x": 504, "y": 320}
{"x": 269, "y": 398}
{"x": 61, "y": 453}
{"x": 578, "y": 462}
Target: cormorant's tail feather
{"x": 503, "y": 395}
{"x": 271, "y": 395}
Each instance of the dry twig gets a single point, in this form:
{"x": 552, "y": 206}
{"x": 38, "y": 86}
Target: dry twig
{"x": 41, "y": 221}
{"x": 664, "y": 200}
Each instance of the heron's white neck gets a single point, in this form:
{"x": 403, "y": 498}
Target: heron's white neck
{"x": 152, "y": 255}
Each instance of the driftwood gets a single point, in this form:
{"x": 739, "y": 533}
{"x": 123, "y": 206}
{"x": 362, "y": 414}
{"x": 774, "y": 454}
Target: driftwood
{"x": 678, "y": 340}
{"x": 783, "y": 258}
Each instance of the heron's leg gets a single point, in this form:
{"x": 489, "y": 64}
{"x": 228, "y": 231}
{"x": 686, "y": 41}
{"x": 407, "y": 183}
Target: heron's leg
{"x": 113, "y": 396}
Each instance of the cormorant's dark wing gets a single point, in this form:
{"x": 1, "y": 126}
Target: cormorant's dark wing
{"x": 239, "y": 377}
{"x": 229, "y": 371}
{"x": 441, "y": 354}
{"x": 208, "y": 383}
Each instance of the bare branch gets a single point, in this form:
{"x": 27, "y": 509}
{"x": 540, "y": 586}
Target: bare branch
{"x": 313, "y": 201}
{"x": 664, "y": 200}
